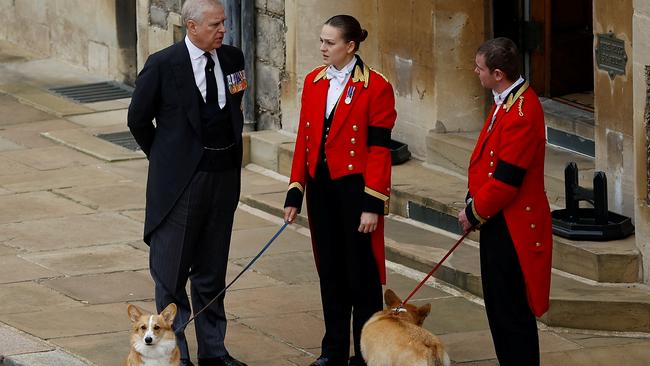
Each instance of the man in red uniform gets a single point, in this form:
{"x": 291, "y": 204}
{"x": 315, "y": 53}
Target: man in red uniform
{"x": 507, "y": 202}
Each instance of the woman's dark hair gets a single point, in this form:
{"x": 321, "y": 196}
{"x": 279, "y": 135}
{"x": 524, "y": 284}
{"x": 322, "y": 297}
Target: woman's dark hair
{"x": 501, "y": 53}
{"x": 350, "y": 28}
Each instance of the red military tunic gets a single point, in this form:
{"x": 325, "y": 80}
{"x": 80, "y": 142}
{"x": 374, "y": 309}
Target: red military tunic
{"x": 506, "y": 173}
{"x": 357, "y": 142}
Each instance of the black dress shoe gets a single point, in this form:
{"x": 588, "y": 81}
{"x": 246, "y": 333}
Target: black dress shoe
{"x": 326, "y": 361}
{"x": 225, "y": 360}
{"x": 356, "y": 361}
{"x": 186, "y": 363}
{"x": 321, "y": 361}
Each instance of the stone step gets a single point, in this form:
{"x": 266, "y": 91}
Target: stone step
{"x": 438, "y": 205}
{"x": 574, "y": 304}
{"x": 435, "y": 196}
{"x": 615, "y": 261}
{"x": 453, "y": 150}
{"x": 569, "y": 127}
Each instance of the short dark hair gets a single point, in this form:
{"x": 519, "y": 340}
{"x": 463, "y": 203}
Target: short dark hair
{"x": 350, "y": 27}
{"x": 501, "y": 53}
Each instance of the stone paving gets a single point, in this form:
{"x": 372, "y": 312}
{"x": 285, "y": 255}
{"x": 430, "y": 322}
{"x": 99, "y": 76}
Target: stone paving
{"x": 71, "y": 255}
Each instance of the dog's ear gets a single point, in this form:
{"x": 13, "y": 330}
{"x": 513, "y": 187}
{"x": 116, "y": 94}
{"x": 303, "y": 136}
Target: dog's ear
{"x": 391, "y": 299}
{"x": 169, "y": 313}
{"x": 423, "y": 311}
{"x": 134, "y": 312}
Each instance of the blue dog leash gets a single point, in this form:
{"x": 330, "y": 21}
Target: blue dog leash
{"x": 284, "y": 226}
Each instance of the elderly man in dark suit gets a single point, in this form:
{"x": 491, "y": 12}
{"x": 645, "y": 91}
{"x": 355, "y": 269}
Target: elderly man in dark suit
{"x": 193, "y": 90}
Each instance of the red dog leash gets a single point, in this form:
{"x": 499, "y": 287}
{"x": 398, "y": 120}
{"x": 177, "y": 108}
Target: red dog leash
{"x": 433, "y": 270}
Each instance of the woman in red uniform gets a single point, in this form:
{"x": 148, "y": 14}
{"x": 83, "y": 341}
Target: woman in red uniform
{"x": 342, "y": 163}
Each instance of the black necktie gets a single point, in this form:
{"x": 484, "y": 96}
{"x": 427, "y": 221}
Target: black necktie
{"x": 211, "y": 83}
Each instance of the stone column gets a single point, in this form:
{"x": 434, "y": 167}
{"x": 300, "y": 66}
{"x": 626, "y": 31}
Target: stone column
{"x": 613, "y": 109}
{"x": 427, "y": 51}
{"x": 641, "y": 76}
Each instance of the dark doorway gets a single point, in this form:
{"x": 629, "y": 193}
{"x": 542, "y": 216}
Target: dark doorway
{"x": 508, "y": 21}
{"x": 572, "y": 69}
{"x": 556, "y": 40}
{"x": 127, "y": 38}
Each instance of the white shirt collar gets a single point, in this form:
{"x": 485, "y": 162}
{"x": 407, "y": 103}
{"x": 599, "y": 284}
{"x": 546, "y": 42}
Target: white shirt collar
{"x": 347, "y": 69}
{"x": 500, "y": 97}
{"x": 198, "y": 66}
{"x": 194, "y": 51}
{"x": 338, "y": 79}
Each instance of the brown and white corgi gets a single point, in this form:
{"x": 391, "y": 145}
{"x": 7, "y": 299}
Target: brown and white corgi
{"x": 153, "y": 342}
{"x": 396, "y": 338}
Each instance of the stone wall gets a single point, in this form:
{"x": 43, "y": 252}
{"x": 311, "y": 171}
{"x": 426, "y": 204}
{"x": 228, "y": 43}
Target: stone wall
{"x": 613, "y": 103}
{"x": 82, "y": 32}
{"x": 158, "y": 26}
{"x": 269, "y": 62}
{"x": 425, "y": 48}
{"x": 641, "y": 104}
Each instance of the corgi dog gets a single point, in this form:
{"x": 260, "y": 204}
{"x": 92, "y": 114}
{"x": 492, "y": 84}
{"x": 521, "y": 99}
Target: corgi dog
{"x": 395, "y": 337}
{"x": 153, "y": 342}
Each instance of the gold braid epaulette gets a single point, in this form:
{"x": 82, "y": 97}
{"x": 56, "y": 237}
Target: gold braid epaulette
{"x": 513, "y": 98}
{"x": 361, "y": 75}
{"x": 321, "y": 74}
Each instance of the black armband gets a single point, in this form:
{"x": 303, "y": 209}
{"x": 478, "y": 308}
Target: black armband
{"x": 509, "y": 174}
{"x": 379, "y": 136}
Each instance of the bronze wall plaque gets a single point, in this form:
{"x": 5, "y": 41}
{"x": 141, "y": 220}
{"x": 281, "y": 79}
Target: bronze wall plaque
{"x": 610, "y": 54}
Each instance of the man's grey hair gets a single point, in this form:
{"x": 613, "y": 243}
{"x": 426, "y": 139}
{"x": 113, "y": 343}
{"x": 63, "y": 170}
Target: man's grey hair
{"x": 194, "y": 9}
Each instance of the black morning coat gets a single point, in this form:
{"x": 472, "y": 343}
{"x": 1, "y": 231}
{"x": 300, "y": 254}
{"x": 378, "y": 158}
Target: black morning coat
{"x": 166, "y": 91}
